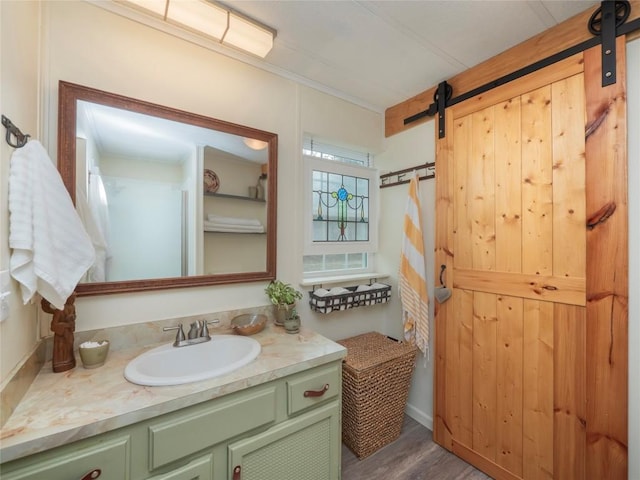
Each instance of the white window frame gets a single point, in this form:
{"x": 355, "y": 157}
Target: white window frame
{"x": 327, "y": 248}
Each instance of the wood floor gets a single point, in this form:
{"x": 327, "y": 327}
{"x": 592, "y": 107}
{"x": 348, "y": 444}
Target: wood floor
{"x": 414, "y": 456}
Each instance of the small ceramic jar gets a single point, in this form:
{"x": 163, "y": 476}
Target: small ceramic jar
{"x": 94, "y": 354}
{"x": 292, "y": 324}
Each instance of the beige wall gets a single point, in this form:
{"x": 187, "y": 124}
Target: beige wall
{"x": 122, "y": 56}
{"x": 19, "y": 100}
{"x": 407, "y": 149}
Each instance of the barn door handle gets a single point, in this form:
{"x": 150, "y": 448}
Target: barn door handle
{"x": 316, "y": 393}
{"x": 443, "y": 267}
{"x": 237, "y": 470}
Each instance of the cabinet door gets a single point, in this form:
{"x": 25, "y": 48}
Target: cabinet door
{"x": 73, "y": 463}
{"x": 303, "y": 448}
{"x": 199, "y": 469}
{"x": 179, "y": 435}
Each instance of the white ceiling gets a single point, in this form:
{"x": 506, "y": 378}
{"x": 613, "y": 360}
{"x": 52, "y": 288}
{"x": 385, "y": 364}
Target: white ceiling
{"x": 373, "y": 53}
{"x": 123, "y": 133}
{"x": 380, "y": 53}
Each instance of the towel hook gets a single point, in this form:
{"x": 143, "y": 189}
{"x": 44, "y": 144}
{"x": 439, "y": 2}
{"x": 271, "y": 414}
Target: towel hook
{"x": 442, "y": 269}
{"x": 21, "y": 138}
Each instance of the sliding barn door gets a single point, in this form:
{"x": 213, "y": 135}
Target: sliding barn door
{"x": 531, "y": 223}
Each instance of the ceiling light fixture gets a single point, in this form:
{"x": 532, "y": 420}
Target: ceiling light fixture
{"x": 214, "y": 20}
{"x": 255, "y": 144}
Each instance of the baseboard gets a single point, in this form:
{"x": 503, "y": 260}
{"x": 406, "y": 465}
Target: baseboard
{"x": 419, "y": 416}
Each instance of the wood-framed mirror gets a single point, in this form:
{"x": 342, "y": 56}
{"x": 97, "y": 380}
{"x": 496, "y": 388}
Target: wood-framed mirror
{"x": 169, "y": 198}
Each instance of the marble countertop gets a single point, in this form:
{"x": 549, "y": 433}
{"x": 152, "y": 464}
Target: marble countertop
{"x": 60, "y": 408}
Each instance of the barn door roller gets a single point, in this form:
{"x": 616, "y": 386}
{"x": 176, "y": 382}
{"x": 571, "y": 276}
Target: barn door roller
{"x": 441, "y": 97}
{"x": 604, "y": 22}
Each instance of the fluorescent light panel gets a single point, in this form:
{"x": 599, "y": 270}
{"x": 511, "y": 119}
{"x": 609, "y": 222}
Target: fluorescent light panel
{"x": 246, "y": 35}
{"x": 201, "y": 16}
{"x": 159, "y": 7}
{"x": 213, "y": 20}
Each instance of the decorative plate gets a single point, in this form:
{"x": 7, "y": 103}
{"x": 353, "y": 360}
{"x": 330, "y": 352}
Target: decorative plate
{"x": 211, "y": 181}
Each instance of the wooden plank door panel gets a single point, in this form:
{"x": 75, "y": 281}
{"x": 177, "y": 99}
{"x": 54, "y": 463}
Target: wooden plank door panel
{"x": 484, "y": 375}
{"x": 537, "y": 398}
{"x": 508, "y": 186}
{"x": 607, "y": 269}
{"x": 515, "y": 381}
{"x": 569, "y": 399}
{"x": 509, "y": 383}
{"x": 537, "y": 178}
{"x": 459, "y": 359}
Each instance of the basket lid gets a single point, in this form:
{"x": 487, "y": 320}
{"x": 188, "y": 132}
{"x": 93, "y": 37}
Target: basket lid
{"x": 373, "y": 348}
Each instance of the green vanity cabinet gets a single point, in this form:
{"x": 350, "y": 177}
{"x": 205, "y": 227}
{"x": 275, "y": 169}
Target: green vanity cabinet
{"x": 288, "y": 428}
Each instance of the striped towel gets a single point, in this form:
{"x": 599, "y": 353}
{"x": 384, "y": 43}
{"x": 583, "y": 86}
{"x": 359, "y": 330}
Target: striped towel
{"x": 412, "y": 277}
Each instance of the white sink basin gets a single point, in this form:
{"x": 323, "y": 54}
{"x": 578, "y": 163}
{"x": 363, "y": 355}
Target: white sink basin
{"x": 169, "y": 365}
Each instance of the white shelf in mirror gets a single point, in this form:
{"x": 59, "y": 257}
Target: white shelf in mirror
{"x": 234, "y": 197}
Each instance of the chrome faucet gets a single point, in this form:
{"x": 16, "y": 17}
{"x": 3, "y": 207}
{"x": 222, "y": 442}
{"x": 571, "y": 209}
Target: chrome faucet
{"x": 194, "y": 331}
{"x": 198, "y": 333}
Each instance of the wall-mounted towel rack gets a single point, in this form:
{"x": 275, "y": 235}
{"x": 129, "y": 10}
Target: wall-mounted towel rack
{"x": 392, "y": 179}
{"x": 21, "y": 138}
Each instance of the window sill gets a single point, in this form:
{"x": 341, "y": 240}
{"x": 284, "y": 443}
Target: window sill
{"x": 309, "y": 282}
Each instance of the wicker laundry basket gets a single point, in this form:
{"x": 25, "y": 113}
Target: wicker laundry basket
{"x": 376, "y": 376}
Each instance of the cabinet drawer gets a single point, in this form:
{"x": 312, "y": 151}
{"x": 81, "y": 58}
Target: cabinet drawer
{"x": 199, "y": 469}
{"x": 73, "y": 463}
{"x": 310, "y": 389}
{"x": 184, "y": 434}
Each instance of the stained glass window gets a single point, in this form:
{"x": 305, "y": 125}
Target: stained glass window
{"x": 341, "y": 207}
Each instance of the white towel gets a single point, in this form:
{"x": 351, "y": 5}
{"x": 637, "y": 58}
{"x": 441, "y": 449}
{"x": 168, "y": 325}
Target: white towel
{"x": 51, "y": 250}
{"x": 98, "y": 271}
{"x": 233, "y": 220}
{"x": 98, "y": 204}
{"x": 412, "y": 277}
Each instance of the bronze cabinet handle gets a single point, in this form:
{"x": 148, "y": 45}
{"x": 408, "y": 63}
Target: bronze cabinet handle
{"x": 92, "y": 475}
{"x": 236, "y": 472}
{"x": 316, "y": 393}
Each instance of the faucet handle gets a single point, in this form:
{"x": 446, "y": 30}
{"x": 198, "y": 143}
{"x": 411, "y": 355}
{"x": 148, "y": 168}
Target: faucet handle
{"x": 204, "y": 331}
{"x": 179, "y": 334}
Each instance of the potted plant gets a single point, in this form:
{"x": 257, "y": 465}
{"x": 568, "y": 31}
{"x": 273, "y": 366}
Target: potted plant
{"x": 283, "y": 296}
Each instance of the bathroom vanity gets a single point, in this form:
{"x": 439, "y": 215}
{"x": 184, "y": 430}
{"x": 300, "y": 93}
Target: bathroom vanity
{"x": 276, "y": 418}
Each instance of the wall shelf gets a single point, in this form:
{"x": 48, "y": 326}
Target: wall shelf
{"x": 234, "y": 197}
{"x": 235, "y": 233}
{"x": 349, "y": 297}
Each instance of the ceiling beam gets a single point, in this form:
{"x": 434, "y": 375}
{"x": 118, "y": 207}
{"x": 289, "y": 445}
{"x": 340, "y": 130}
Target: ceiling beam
{"x": 551, "y": 41}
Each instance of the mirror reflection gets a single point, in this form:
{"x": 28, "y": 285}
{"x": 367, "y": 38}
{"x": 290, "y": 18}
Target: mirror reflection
{"x": 166, "y": 195}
